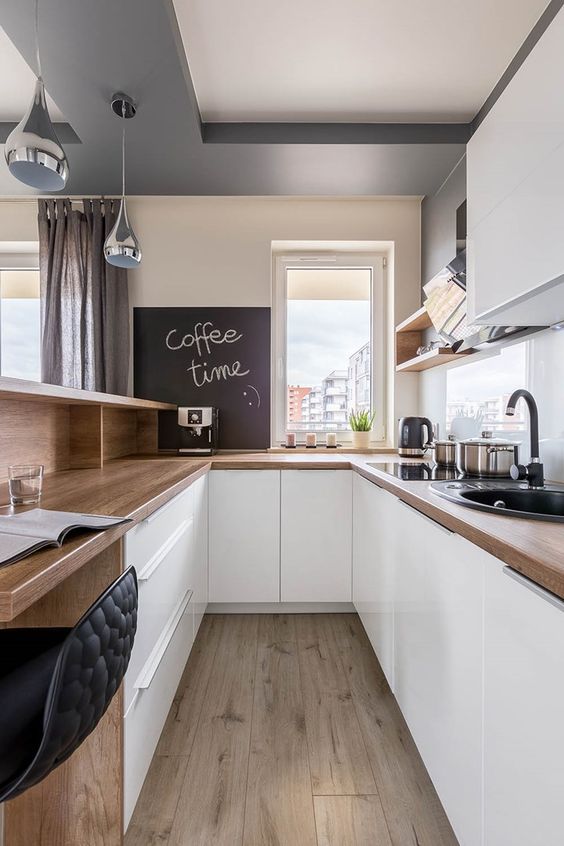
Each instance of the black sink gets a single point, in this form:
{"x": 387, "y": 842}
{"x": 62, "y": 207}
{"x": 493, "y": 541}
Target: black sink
{"x": 502, "y": 498}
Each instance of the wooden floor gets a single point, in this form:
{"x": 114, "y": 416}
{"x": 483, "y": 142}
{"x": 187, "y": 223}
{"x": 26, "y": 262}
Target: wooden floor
{"x": 284, "y": 732}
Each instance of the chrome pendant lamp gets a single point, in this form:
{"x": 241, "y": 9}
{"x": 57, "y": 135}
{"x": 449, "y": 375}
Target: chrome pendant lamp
{"x": 121, "y": 247}
{"x": 33, "y": 152}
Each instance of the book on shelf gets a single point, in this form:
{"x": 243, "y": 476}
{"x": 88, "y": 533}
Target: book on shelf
{"x": 29, "y": 531}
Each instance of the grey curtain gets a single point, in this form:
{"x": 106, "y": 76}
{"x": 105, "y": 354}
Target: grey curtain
{"x": 84, "y": 300}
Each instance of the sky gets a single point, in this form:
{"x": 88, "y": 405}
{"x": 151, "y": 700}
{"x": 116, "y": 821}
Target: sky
{"x": 322, "y": 334}
{"x": 19, "y": 337}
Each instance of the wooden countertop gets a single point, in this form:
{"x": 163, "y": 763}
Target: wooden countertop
{"x": 136, "y": 487}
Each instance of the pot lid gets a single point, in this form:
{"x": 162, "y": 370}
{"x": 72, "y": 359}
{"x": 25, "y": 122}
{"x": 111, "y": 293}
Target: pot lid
{"x": 487, "y": 441}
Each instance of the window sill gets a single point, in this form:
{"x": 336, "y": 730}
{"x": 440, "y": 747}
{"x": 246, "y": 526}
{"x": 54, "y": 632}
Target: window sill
{"x": 321, "y": 449}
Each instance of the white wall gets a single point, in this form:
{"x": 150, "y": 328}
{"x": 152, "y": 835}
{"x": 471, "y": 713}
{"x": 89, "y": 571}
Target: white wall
{"x": 216, "y": 251}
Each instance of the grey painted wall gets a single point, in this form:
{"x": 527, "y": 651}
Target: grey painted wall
{"x": 438, "y": 223}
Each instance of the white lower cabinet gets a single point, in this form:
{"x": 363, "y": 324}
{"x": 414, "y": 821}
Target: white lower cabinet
{"x": 169, "y": 552}
{"x": 376, "y": 529}
{"x": 438, "y": 661}
{"x": 316, "y": 536}
{"x": 523, "y": 714}
{"x": 244, "y": 535}
{"x": 200, "y": 584}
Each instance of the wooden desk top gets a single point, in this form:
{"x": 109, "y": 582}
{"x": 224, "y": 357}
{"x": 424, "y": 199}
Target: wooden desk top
{"x": 136, "y": 487}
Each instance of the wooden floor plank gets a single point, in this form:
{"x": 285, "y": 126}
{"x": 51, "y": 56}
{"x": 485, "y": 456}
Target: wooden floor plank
{"x": 212, "y": 799}
{"x": 154, "y": 813}
{"x": 279, "y": 807}
{"x": 350, "y": 821}
{"x": 412, "y": 808}
{"x": 180, "y": 727}
{"x": 338, "y": 759}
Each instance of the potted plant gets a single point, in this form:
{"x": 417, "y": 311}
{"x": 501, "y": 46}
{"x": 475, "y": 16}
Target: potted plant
{"x": 361, "y": 424}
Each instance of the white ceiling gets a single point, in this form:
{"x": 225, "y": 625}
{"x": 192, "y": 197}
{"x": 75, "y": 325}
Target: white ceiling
{"x": 16, "y": 84}
{"x": 362, "y": 60}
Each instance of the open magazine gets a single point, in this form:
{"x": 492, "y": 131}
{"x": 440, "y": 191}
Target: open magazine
{"x": 24, "y": 533}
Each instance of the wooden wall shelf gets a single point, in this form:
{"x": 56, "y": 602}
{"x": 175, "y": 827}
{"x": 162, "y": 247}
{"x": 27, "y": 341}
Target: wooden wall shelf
{"x": 409, "y": 337}
{"x": 68, "y": 429}
{"x": 430, "y": 359}
{"x": 21, "y": 389}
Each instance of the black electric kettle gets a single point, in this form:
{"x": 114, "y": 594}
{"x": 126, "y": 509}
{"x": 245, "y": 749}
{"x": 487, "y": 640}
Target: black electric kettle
{"x": 414, "y": 433}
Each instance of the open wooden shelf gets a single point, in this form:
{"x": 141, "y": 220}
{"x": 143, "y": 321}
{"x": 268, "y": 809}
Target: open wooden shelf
{"x": 409, "y": 337}
{"x": 429, "y": 359}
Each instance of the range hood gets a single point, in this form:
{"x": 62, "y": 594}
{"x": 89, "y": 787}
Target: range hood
{"x": 463, "y": 337}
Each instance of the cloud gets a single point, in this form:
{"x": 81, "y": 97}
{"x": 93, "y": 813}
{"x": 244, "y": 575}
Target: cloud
{"x": 322, "y": 334}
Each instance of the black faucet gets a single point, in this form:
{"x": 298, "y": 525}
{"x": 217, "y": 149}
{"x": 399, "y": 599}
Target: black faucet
{"x": 533, "y": 472}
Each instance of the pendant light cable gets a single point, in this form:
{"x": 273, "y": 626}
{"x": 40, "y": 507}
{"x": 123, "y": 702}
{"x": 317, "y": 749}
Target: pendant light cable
{"x": 37, "y": 55}
{"x": 123, "y": 152}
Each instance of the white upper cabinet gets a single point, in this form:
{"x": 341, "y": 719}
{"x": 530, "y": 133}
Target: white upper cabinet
{"x": 523, "y": 725}
{"x": 515, "y": 163}
{"x": 244, "y": 536}
{"x": 376, "y": 527}
{"x": 316, "y": 536}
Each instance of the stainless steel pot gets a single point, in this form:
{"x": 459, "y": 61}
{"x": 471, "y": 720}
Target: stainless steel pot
{"x": 486, "y": 456}
{"x": 445, "y": 452}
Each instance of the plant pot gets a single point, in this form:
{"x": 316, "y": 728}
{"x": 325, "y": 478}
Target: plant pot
{"x": 361, "y": 440}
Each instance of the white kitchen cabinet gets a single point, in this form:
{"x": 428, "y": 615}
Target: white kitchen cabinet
{"x": 244, "y": 536}
{"x": 200, "y": 597}
{"x": 376, "y": 527}
{"x": 523, "y": 725}
{"x": 515, "y": 169}
{"x": 316, "y": 536}
{"x": 438, "y": 661}
{"x": 169, "y": 551}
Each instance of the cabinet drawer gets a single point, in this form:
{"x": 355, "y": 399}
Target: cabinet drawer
{"x": 165, "y": 577}
{"x": 146, "y": 714}
{"x": 144, "y": 541}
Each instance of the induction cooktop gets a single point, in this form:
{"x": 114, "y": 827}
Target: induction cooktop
{"x": 417, "y": 471}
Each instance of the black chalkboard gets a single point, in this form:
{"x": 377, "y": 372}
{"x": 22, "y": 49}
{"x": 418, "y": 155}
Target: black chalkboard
{"x": 206, "y": 356}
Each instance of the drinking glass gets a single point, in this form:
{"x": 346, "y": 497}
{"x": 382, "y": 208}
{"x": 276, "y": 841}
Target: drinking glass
{"x": 24, "y": 483}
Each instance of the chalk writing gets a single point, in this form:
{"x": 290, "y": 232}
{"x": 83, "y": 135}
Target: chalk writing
{"x": 204, "y": 337}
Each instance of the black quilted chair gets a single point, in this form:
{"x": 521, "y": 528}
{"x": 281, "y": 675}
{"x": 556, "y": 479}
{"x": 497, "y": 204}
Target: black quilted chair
{"x": 55, "y": 684}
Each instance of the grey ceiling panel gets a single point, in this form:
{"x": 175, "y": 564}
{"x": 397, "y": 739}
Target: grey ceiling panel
{"x": 91, "y": 49}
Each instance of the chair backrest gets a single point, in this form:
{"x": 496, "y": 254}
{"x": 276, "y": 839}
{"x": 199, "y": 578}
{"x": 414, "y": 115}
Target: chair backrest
{"x": 92, "y": 663}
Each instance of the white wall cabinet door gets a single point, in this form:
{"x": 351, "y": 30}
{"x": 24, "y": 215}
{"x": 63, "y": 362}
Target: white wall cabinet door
{"x": 438, "y": 662}
{"x": 515, "y": 167}
{"x": 316, "y": 535}
{"x": 375, "y": 531}
{"x": 244, "y": 536}
{"x": 523, "y": 707}
{"x": 200, "y": 596}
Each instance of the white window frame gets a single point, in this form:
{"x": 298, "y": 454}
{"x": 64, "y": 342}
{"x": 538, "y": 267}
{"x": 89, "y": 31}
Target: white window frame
{"x": 376, "y": 263}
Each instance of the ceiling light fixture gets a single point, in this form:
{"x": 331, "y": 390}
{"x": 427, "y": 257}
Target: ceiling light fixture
{"x": 121, "y": 247}
{"x": 33, "y": 152}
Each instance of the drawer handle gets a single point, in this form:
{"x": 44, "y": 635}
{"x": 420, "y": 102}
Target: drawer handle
{"x": 425, "y": 517}
{"x": 161, "y": 553}
{"x": 156, "y": 514}
{"x": 534, "y": 588}
{"x": 152, "y": 664}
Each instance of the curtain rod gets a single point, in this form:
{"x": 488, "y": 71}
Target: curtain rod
{"x": 70, "y": 199}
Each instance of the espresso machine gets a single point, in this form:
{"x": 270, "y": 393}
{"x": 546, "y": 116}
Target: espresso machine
{"x": 201, "y": 430}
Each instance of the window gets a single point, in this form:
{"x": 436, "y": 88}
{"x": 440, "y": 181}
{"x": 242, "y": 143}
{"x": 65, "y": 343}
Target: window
{"x": 329, "y": 335}
{"x": 20, "y": 324}
{"x": 481, "y": 389}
